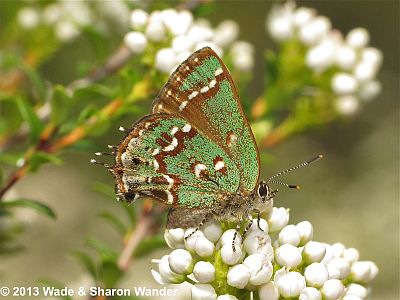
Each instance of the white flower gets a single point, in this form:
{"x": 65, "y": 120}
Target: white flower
{"x": 244, "y": 62}
{"x": 203, "y": 247}
{"x": 373, "y": 56}
{"x": 364, "y": 71}
{"x": 342, "y": 265}
{"x": 190, "y": 238}
{"x": 357, "y": 290}
{"x": 165, "y": 60}
{"x": 177, "y": 23}
{"x": 238, "y": 276}
{"x": 322, "y": 56}
{"x": 278, "y": 219}
{"x": 28, "y": 18}
{"x": 347, "y": 105}
{"x": 228, "y": 236}
{"x": 52, "y": 13}
{"x": 289, "y": 235}
{"x": 345, "y": 57}
{"x": 316, "y": 274}
{"x": 358, "y": 38}
{"x": 135, "y": 41}
{"x": 226, "y": 33}
{"x": 310, "y": 293}
{"x": 314, "y": 31}
{"x": 165, "y": 275}
{"x": 204, "y": 271}
{"x": 291, "y": 284}
{"x": 255, "y": 226}
{"x": 66, "y": 31}
{"x": 258, "y": 242}
{"x": 351, "y": 255}
{"x": 210, "y": 44}
{"x": 199, "y": 34}
{"x": 260, "y": 268}
{"x": 174, "y": 238}
{"x": 227, "y": 297}
{"x": 363, "y": 271}
{"x": 344, "y": 83}
{"x": 180, "y": 261}
{"x": 155, "y": 29}
{"x": 302, "y": 16}
{"x": 338, "y": 249}
{"x": 182, "y": 43}
{"x": 280, "y": 27}
{"x": 268, "y": 291}
{"x": 351, "y": 297}
{"x": 229, "y": 256}
{"x": 202, "y": 291}
{"x": 306, "y": 232}
{"x": 213, "y": 231}
{"x": 288, "y": 255}
{"x": 138, "y": 19}
{"x": 314, "y": 251}
{"x": 333, "y": 272}
{"x": 369, "y": 90}
{"x": 332, "y": 289}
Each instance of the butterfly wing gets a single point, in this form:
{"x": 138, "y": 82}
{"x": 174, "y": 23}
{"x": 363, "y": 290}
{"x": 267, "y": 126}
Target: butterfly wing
{"x": 169, "y": 159}
{"x": 201, "y": 91}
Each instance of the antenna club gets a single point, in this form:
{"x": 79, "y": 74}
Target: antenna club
{"x": 93, "y": 161}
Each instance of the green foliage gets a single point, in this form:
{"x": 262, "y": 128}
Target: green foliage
{"x": 28, "y": 203}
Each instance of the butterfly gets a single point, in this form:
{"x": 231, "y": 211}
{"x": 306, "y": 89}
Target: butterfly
{"x": 195, "y": 151}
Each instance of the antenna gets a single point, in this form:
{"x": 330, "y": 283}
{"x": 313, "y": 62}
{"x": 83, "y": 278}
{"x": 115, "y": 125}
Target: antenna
{"x": 270, "y": 180}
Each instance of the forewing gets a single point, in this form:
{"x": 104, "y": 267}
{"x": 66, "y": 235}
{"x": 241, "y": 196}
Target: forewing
{"x": 167, "y": 158}
{"x": 202, "y": 92}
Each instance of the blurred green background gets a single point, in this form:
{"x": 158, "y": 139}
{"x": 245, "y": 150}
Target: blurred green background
{"x": 351, "y": 196}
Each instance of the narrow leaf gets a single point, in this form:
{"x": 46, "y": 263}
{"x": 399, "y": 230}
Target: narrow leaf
{"x": 39, "y": 158}
{"x": 104, "y": 189}
{"x": 87, "y": 262}
{"x": 30, "y": 117}
{"x": 33, "y": 204}
{"x": 60, "y": 105}
{"x": 150, "y": 244}
{"x": 114, "y": 221}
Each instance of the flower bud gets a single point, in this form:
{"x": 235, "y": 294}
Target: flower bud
{"x": 345, "y": 57}
{"x": 328, "y": 253}
{"x": 278, "y": 219}
{"x": 28, "y": 18}
{"x": 342, "y": 265}
{"x": 347, "y": 105}
{"x": 306, "y": 232}
{"x": 227, "y": 238}
{"x": 280, "y": 27}
{"x": 289, "y": 235}
{"x": 258, "y": 242}
{"x": 138, "y": 19}
{"x": 288, "y": 255}
{"x": 321, "y": 56}
{"x": 165, "y": 60}
{"x": 199, "y": 34}
{"x": 243, "y": 62}
{"x": 291, "y": 284}
{"x": 238, "y": 276}
{"x": 310, "y": 293}
{"x": 174, "y": 238}
{"x": 180, "y": 261}
{"x": 182, "y": 43}
{"x": 364, "y": 71}
{"x": 212, "y": 45}
{"x": 356, "y": 290}
{"x": 351, "y": 297}
{"x": 203, "y": 291}
{"x": 135, "y": 41}
{"x": 314, "y": 31}
{"x": 363, "y": 271}
{"x": 373, "y": 56}
{"x": 343, "y": 83}
{"x": 155, "y": 30}
{"x": 333, "y": 272}
{"x": 213, "y": 231}
{"x": 314, "y": 252}
{"x": 254, "y": 226}
{"x": 191, "y": 237}
{"x": 332, "y": 289}
{"x": 260, "y": 268}
{"x": 229, "y": 256}
{"x": 316, "y": 274}
{"x": 204, "y": 271}
{"x": 227, "y": 297}
{"x": 268, "y": 291}
{"x": 226, "y": 33}
{"x": 302, "y": 16}
{"x": 203, "y": 247}
{"x": 369, "y": 90}
{"x": 66, "y": 30}
{"x": 167, "y": 275}
{"x": 358, "y": 38}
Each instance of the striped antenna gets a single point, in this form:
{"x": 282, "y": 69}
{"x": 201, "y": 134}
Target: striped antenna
{"x": 292, "y": 169}
{"x": 93, "y": 161}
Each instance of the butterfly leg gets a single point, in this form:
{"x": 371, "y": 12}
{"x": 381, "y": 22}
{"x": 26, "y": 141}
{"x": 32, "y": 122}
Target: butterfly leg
{"x": 248, "y": 226}
{"x": 258, "y": 220}
{"x": 203, "y": 221}
{"x": 240, "y": 221}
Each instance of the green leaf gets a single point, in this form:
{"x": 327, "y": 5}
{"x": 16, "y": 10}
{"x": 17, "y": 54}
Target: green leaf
{"x": 105, "y": 252}
{"x": 104, "y": 189}
{"x": 33, "y": 204}
{"x": 10, "y": 159}
{"x": 56, "y": 284}
{"x": 149, "y": 244}
{"x": 30, "y": 117}
{"x": 110, "y": 273}
{"x": 39, "y": 158}
{"x": 87, "y": 262}
{"x": 131, "y": 212}
{"x": 36, "y": 80}
{"x": 60, "y": 105}
{"x": 114, "y": 221}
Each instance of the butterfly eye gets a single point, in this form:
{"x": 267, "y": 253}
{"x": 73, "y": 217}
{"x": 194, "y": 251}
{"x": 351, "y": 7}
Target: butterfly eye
{"x": 263, "y": 191}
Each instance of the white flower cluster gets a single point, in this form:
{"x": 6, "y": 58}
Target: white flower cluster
{"x": 355, "y": 63}
{"x": 176, "y": 35}
{"x": 277, "y": 260}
